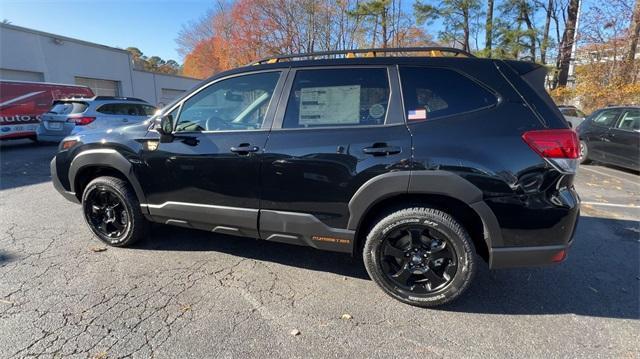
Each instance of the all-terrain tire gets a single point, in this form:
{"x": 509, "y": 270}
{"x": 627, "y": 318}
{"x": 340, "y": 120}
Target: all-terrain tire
{"x": 135, "y": 226}
{"x": 434, "y": 221}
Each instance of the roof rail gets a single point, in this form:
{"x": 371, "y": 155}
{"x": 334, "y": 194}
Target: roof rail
{"x": 118, "y": 98}
{"x": 433, "y": 51}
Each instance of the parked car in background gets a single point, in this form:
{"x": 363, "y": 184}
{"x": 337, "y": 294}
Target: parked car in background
{"x": 22, "y": 103}
{"x": 421, "y": 165}
{"x": 74, "y": 115}
{"x": 612, "y": 135}
{"x": 573, "y": 115}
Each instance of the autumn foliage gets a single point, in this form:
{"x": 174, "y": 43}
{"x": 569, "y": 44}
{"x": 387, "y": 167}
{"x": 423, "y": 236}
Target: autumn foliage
{"x": 243, "y": 31}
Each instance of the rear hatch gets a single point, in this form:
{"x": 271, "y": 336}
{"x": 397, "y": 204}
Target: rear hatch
{"x": 63, "y": 111}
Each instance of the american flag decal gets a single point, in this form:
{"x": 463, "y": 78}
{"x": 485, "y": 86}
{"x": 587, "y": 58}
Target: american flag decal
{"x": 417, "y": 115}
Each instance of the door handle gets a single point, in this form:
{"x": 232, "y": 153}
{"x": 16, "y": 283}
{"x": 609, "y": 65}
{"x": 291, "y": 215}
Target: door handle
{"x": 244, "y": 149}
{"x": 382, "y": 150}
{"x": 125, "y": 120}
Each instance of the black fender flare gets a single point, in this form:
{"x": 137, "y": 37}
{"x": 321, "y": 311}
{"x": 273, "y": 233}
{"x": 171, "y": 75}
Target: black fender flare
{"x": 105, "y": 157}
{"x": 437, "y": 182}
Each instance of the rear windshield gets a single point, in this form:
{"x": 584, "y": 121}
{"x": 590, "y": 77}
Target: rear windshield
{"x": 67, "y": 108}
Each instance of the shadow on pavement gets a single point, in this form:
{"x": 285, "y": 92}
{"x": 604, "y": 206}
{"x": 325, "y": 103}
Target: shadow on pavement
{"x": 600, "y": 278}
{"x": 24, "y": 163}
{"x": 179, "y": 239}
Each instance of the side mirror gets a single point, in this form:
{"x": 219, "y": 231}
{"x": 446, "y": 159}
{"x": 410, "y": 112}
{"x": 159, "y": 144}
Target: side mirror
{"x": 166, "y": 129}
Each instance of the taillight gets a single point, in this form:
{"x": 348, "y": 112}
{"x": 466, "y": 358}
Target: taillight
{"x": 560, "y": 147}
{"x": 81, "y": 121}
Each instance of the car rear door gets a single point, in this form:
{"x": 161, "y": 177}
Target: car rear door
{"x": 335, "y": 129}
{"x": 624, "y": 140}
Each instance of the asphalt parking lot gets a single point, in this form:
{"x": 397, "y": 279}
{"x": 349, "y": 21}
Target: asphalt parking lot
{"x": 63, "y": 295}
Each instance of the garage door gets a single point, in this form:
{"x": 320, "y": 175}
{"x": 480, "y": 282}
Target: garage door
{"x": 19, "y": 75}
{"x": 100, "y": 87}
{"x": 168, "y": 95}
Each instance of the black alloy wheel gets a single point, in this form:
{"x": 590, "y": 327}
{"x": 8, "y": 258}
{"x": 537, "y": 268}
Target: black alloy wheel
{"x": 112, "y": 211}
{"x": 106, "y": 213}
{"x": 418, "y": 259}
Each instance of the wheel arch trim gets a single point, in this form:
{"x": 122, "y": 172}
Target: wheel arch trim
{"x": 435, "y": 182}
{"x": 104, "y": 157}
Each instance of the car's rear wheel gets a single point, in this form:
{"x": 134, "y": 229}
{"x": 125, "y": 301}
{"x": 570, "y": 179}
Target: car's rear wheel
{"x": 584, "y": 153}
{"x": 420, "y": 256}
{"x": 112, "y": 211}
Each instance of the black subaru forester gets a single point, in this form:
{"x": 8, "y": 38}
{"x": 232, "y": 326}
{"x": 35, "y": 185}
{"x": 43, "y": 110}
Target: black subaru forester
{"x": 421, "y": 164}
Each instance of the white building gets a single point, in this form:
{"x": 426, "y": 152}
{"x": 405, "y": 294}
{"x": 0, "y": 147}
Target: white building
{"x": 31, "y": 55}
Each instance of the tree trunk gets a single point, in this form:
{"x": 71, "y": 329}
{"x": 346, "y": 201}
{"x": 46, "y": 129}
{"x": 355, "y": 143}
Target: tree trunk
{"x": 524, "y": 13}
{"x": 567, "y": 42}
{"x": 634, "y": 32}
{"x": 383, "y": 24}
{"x": 465, "y": 44}
{"x": 545, "y": 33}
{"x": 488, "y": 29}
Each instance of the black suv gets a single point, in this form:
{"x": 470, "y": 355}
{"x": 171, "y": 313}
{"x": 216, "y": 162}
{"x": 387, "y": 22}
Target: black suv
{"x": 420, "y": 164}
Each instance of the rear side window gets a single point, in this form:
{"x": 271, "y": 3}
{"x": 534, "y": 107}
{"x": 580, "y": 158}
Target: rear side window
{"x": 146, "y": 110}
{"x": 434, "y": 92}
{"x": 126, "y": 109}
{"x": 569, "y": 112}
{"x": 68, "y": 108}
{"x": 630, "y": 121}
{"x": 338, "y": 97}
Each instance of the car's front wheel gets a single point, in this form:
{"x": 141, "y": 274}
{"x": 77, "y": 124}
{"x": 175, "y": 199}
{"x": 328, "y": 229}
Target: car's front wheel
{"x": 420, "y": 256}
{"x": 112, "y": 211}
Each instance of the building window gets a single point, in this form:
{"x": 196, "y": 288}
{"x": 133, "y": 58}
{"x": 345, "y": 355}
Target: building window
{"x": 100, "y": 87}
{"x": 19, "y": 75}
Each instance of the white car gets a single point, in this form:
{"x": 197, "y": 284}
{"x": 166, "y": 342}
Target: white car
{"x": 573, "y": 115}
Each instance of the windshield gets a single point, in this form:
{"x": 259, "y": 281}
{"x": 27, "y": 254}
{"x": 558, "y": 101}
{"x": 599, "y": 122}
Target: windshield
{"x": 67, "y": 108}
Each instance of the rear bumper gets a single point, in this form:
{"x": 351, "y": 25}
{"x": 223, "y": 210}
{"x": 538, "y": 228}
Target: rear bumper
{"x": 45, "y": 135}
{"x": 511, "y": 257}
{"x": 70, "y": 196}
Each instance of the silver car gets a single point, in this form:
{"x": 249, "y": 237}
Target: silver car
{"x": 573, "y": 115}
{"x": 71, "y": 116}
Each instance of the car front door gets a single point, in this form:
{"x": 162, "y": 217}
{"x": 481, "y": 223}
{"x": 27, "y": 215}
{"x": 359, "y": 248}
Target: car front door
{"x": 208, "y": 176}
{"x": 597, "y": 133}
{"x": 334, "y": 130}
{"x": 624, "y": 140}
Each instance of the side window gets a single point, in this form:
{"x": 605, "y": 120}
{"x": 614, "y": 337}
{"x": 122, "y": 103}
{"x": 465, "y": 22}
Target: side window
{"x": 630, "y": 121}
{"x": 338, "y": 97}
{"x": 607, "y": 118}
{"x": 434, "y": 92}
{"x": 569, "y": 112}
{"x": 119, "y": 109}
{"x": 235, "y": 104}
{"x": 146, "y": 110}
{"x": 108, "y": 109}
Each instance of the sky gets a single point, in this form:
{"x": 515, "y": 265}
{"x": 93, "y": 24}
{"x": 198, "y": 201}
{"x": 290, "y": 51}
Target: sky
{"x": 151, "y": 26}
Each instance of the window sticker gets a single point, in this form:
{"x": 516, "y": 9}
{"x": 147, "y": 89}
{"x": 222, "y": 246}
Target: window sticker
{"x": 416, "y": 115}
{"x": 330, "y": 105}
{"x": 376, "y": 111}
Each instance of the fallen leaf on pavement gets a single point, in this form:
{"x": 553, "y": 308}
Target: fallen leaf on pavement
{"x": 295, "y": 332}
{"x": 98, "y": 249}
{"x": 346, "y": 316}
